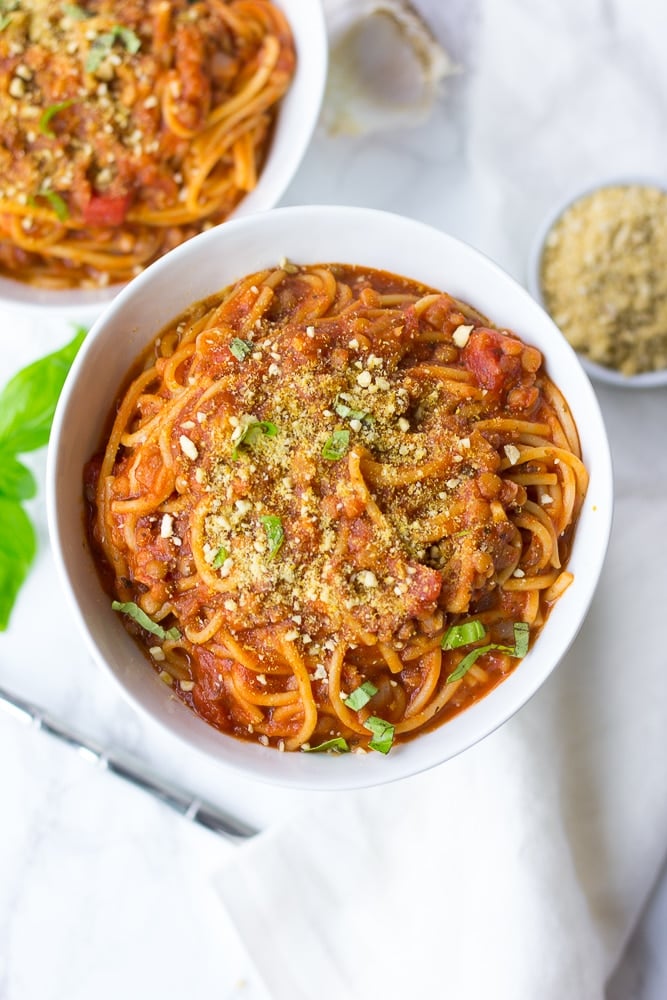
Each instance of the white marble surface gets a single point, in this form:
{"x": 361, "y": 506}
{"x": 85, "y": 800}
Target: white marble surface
{"x": 103, "y": 891}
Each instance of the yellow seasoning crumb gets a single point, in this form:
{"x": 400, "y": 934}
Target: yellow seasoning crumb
{"x": 603, "y": 277}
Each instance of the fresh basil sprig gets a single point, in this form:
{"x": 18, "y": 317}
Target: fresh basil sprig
{"x": 16, "y": 482}
{"x": 27, "y": 405}
{"x": 18, "y": 547}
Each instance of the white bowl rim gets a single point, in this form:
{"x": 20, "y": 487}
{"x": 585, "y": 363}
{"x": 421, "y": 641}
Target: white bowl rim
{"x": 643, "y": 380}
{"x": 352, "y": 771}
{"x": 284, "y": 158}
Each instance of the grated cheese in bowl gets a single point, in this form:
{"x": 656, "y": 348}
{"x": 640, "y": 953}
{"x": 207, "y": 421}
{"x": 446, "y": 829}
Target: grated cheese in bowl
{"x": 599, "y": 268}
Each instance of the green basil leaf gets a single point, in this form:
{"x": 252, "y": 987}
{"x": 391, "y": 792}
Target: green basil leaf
{"x": 16, "y": 482}
{"x": 519, "y": 650}
{"x": 130, "y": 40}
{"x": 251, "y": 433}
{"x": 336, "y": 446}
{"x": 336, "y": 745}
{"x": 240, "y": 348}
{"x": 7, "y": 8}
{"x": 18, "y": 547}
{"x": 463, "y": 635}
{"x": 98, "y": 52}
{"x": 28, "y": 401}
{"x": 44, "y": 124}
{"x": 467, "y": 662}
{"x": 104, "y": 43}
{"x": 75, "y": 12}
{"x": 383, "y": 734}
{"x": 360, "y": 696}
{"x": 221, "y": 556}
{"x": 343, "y": 409}
{"x": 275, "y": 533}
{"x": 57, "y": 203}
{"x": 521, "y": 639}
{"x": 133, "y": 611}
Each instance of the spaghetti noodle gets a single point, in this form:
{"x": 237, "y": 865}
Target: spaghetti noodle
{"x": 127, "y": 127}
{"x": 342, "y": 502}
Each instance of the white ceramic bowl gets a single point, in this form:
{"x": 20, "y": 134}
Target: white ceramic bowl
{"x": 205, "y": 265}
{"x": 297, "y": 117}
{"x": 644, "y": 380}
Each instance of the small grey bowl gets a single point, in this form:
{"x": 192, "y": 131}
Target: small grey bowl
{"x": 600, "y": 373}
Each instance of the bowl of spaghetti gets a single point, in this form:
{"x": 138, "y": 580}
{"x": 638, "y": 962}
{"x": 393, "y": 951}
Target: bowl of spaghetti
{"x": 128, "y": 129}
{"x": 341, "y": 501}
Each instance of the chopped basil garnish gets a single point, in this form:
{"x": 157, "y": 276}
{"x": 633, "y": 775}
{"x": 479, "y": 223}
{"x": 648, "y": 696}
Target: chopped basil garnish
{"x": 275, "y": 535}
{"x": 468, "y": 661}
{"x": 46, "y": 116}
{"x": 336, "y": 745}
{"x": 103, "y": 45}
{"x": 75, "y": 12}
{"x": 383, "y": 734}
{"x": 221, "y": 556}
{"x": 57, "y": 204}
{"x": 519, "y": 650}
{"x": 252, "y": 431}
{"x": 343, "y": 409}
{"x": 463, "y": 635}
{"x": 360, "y": 696}
{"x": 55, "y": 201}
{"x": 521, "y": 638}
{"x": 7, "y": 8}
{"x": 240, "y": 348}
{"x": 133, "y": 611}
{"x": 131, "y": 41}
{"x": 336, "y": 446}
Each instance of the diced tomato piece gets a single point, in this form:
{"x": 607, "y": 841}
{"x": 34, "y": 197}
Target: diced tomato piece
{"x": 424, "y": 586}
{"x": 493, "y": 358}
{"x": 106, "y": 210}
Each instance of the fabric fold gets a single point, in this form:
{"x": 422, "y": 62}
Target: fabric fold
{"x": 517, "y": 870}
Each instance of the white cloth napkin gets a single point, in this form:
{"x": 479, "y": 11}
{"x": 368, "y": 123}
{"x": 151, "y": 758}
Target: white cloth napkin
{"x": 516, "y": 871}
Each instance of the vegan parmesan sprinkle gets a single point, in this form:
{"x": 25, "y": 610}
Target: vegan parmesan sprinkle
{"x": 604, "y": 277}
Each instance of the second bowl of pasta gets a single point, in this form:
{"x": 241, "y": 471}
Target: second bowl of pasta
{"x": 126, "y": 133}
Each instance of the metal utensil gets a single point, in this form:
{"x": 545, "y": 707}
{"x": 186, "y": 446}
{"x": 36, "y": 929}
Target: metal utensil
{"x": 136, "y": 772}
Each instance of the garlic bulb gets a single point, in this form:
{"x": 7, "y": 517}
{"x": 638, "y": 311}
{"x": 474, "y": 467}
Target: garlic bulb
{"x": 385, "y": 66}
